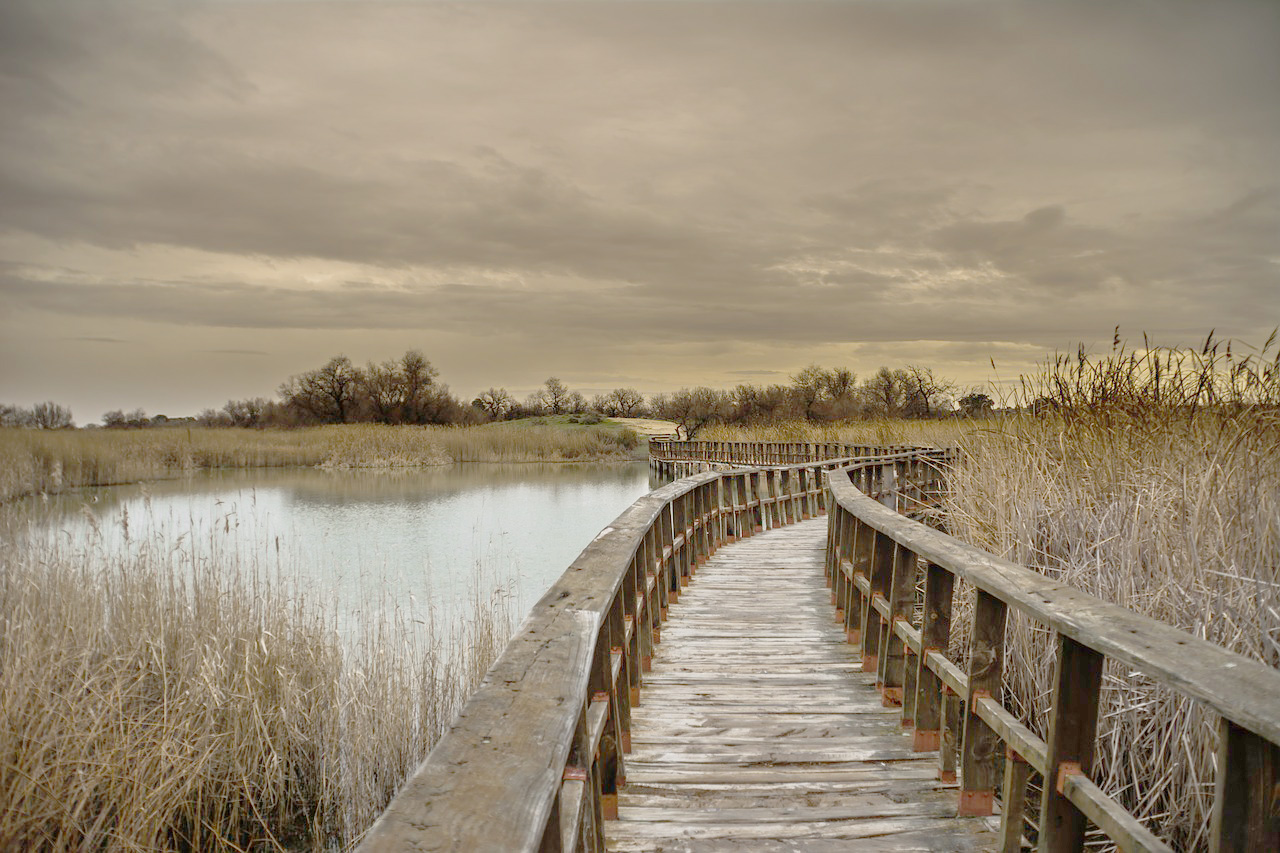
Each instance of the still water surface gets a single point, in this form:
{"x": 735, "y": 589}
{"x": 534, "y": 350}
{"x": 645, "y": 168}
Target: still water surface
{"x": 421, "y": 538}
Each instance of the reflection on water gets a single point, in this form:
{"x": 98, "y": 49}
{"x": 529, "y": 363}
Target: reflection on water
{"x": 423, "y": 535}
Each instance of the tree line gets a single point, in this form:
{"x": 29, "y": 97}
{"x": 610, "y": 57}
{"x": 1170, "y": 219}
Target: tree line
{"x": 408, "y": 390}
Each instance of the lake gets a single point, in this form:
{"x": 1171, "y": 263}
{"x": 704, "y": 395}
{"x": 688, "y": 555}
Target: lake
{"x": 434, "y": 538}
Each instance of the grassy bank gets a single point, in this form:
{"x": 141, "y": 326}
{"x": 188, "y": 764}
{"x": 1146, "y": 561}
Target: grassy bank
{"x": 179, "y": 699}
{"x": 36, "y": 461}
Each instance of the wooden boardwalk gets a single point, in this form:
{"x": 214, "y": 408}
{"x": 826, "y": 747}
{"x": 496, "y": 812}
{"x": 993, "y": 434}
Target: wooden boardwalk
{"x": 757, "y": 731}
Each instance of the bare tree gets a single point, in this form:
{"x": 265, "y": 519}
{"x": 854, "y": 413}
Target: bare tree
{"x": 50, "y": 415}
{"x": 419, "y": 391}
{"x": 496, "y": 403}
{"x": 247, "y": 413}
{"x": 839, "y": 383}
{"x": 809, "y": 386}
{"x": 624, "y": 403}
{"x": 692, "y": 409}
{"x": 556, "y": 396}
{"x": 381, "y": 392}
{"x": 884, "y": 392}
{"x": 15, "y": 416}
{"x": 536, "y": 403}
{"x": 925, "y": 394}
{"x": 327, "y": 395}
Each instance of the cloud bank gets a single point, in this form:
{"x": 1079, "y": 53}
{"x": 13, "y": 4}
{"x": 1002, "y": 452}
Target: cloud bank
{"x": 665, "y": 194}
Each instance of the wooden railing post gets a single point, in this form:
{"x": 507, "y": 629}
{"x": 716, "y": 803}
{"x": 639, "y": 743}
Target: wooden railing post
{"x": 892, "y": 663}
{"x": 1246, "y": 803}
{"x": 880, "y": 575}
{"x": 608, "y": 766}
{"x": 1073, "y": 728}
{"x": 935, "y": 635}
{"x": 848, "y": 526}
{"x": 864, "y": 540}
{"x": 981, "y": 745}
{"x": 1013, "y": 803}
{"x": 755, "y": 506}
{"x": 669, "y": 582}
{"x": 632, "y": 596}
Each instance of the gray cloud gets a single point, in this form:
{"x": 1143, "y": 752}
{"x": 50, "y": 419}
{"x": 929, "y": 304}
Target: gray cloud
{"x": 749, "y": 175}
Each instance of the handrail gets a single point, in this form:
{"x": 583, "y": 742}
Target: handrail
{"x": 873, "y": 560}
{"x": 535, "y": 757}
{"x": 764, "y": 452}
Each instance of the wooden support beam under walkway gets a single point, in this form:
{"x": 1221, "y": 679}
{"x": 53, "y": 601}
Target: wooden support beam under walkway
{"x": 758, "y": 731}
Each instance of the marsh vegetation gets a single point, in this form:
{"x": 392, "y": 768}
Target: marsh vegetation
{"x": 47, "y": 461}
{"x": 183, "y": 697}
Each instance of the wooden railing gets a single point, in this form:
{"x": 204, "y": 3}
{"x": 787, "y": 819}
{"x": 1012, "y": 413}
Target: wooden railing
{"x": 536, "y": 756}
{"x": 874, "y": 560}
{"x": 761, "y": 452}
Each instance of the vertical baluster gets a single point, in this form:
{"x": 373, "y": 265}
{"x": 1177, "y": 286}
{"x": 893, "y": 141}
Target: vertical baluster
{"x": 1072, "y": 729}
{"x": 758, "y": 491}
{"x": 880, "y": 574}
{"x": 862, "y": 545}
{"x": 1014, "y": 805}
{"x": 892, "y": 663}
{"x": 686, "y": 550}
{"x": 935, "y": 635}
{"x": 607, "y": 763}
{"x": 849, "y": 527}
{"x": 830, "y": 561}
{"x": 986, "y": 662}
{"x": 1246, "y": 803}
{"x": 621, "y": 690}
{"x": 950, "y": 735}
{"x": 669, "y": 582}
{"x": 648, "y": 616}
{"x": 633, "y": 607}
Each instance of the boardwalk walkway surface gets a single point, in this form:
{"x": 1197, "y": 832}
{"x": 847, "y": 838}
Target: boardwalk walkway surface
{"x": 757, "y": 730}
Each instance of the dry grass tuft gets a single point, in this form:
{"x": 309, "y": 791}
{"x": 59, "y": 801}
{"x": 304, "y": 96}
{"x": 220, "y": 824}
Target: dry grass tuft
{"x": 1152, "y": 480}
{"x": 168, "y": 700}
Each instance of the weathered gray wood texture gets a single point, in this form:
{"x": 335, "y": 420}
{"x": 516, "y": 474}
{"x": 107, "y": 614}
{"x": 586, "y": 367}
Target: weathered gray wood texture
{"x": 1245, "y": 692}
{"x": 757, "y": 730}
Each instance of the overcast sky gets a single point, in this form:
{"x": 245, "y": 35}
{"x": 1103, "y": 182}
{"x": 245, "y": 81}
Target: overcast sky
{"x": 199, "y": 199}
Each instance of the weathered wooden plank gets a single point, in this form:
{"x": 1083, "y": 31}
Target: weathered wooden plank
{"x": 1121, "y": 827}
{"x": 1072, "y": 730}
{"x": 1246, "y": 813}
{"x": 1243, "y": 690}
{"x": 980, "y": 749}
{"x": 757, "y": 724}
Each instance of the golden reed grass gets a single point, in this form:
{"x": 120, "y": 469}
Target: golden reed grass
{"x": 39, "y": 461}
{"x": 182, "y": 699}
{"x": 1150, "y": 479}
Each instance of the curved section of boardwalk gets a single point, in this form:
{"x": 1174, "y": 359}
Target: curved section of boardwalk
{"x": 758, "y": 731}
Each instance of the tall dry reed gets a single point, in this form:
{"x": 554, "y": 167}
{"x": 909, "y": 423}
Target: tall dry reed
{"x": 1150, "y": 479}
{"x": 183, "y": 698}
